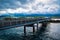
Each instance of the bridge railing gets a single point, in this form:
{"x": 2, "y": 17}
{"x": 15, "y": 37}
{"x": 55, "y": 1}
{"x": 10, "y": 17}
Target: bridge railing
{"x": 15, "y": 22}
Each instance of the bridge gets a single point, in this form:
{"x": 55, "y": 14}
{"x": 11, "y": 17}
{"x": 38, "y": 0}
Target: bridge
{"x": 28, "y": 22}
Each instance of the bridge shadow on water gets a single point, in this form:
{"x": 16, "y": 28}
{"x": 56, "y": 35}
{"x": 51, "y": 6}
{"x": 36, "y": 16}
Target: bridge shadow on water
{"x": 39, "y": 35}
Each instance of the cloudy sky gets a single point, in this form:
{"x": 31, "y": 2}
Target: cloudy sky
{"x": 30, "y": 6}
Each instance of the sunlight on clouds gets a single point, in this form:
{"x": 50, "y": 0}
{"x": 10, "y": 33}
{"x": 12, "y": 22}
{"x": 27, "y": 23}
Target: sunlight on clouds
{"x": 2, "y": 12}
{"x": 42, "y": 1}
{"x": 41, "y": 6}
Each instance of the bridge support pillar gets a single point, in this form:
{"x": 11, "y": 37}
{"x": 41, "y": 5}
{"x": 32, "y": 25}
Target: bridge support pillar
{"x": 24, "y": 30}
{"x": 44, "y": 24}
{"x": 33, "y": 29}
{"x": 31, "y": 25}
{"x": 37, "y": 26}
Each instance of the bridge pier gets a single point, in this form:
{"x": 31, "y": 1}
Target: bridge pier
{"x": 44, "y": 24}
{"x": 37, "y": 26}
{"x": 31, "y": 25}
{"x": 33, "y": 29}
{"x": 24, "y": 30}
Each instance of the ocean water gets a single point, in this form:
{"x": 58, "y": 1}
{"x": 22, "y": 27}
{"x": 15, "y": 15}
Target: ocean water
{"x": 51, "y": 32}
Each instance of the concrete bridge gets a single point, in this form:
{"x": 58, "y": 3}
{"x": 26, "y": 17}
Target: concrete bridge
{"x": 6, "y": 24}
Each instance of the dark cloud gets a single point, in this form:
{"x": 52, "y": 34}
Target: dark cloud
{"x": 29, "y": 6}
{"x": 23, "y": 1}
{"x": 5, "y": 4}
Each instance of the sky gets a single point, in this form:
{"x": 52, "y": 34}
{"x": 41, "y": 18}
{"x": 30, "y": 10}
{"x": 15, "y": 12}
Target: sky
{"x": 30, "y": 6}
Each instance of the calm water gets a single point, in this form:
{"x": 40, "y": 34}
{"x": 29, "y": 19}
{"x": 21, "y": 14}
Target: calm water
{"x": 51, "y": 32}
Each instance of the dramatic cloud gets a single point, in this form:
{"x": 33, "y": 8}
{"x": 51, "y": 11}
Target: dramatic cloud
{"x": 29, "y": 6}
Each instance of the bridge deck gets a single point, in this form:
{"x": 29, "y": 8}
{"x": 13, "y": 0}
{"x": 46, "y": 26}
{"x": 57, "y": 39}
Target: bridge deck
{"x": 21, "y": 22}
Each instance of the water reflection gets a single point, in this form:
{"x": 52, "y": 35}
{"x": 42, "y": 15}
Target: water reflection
{"x": 54, "y": 29}
{"x": 51, "y": 32}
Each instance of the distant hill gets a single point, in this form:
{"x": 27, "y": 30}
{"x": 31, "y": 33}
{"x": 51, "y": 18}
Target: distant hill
{"x": 18, "y": 15}
{"x": 27, "y": 15}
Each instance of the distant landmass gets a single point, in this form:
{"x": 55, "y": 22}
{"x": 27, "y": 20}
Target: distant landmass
{"x": 27, "y": 15}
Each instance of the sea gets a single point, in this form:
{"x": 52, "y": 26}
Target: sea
{"x": 51, "y": 32}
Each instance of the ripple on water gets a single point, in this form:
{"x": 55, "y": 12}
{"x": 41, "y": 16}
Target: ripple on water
{"x": 51, "y": 32}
